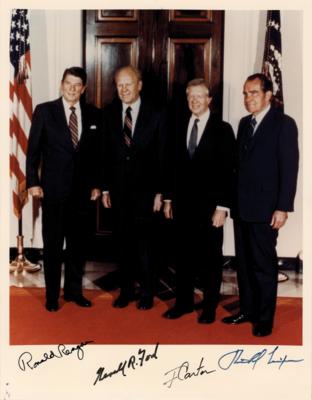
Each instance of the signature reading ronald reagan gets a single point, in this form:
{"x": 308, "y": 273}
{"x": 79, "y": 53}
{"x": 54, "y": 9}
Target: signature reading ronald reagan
{"x": 25, "y": 360}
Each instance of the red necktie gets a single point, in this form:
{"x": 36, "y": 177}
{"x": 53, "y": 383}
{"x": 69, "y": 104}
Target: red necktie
{"x": 73, "y": 126}
{"x": 127, "y": 129}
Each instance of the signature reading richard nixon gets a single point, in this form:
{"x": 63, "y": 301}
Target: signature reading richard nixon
{"x": 228, "y": 361}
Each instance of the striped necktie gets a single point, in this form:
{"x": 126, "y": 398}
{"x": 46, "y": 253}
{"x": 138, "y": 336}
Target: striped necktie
{"x": 127, "y": 129}
{"x": 250, "y": 133}
{"x": 73, "y": 126}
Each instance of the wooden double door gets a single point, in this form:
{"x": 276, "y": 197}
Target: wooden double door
{"x": 170, "y": 47}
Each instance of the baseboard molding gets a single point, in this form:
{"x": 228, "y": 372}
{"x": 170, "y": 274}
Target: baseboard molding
{"x": 35, "y": 254}
{"x": 285, "y": 263}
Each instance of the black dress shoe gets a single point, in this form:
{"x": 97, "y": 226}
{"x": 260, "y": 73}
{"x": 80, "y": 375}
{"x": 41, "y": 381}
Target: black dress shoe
{"x": 123, "y": 300}
{"x": 52, "y": 306}
{"x": 207, "y": 317}
{"x": 80, "y": 300}
{"x": 262, "y": 329}
{"x": 145, "y": 303}
{"x": 237, "y": 319}
{"x": 177, "y": 312}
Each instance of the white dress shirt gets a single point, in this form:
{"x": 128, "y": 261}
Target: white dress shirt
{"x": 201, "y": 124}
{"x": 259, "y": 117}
{"x": 77, "y": 112}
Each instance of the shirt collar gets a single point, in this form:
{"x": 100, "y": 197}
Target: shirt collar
{"x": 134, "y": 106}
{"x": 203, "y": 118}
{"x": 67, "y": 105}
{"x": 259, "y": 117}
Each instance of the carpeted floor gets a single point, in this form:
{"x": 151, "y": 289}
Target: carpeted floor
{"x": 31, "y": 324}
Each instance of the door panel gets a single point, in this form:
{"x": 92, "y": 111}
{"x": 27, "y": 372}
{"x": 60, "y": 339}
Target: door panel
{"x": 188, "y": 58}
{"x": 111, "y": 53}
{"x": 170, "y": 47}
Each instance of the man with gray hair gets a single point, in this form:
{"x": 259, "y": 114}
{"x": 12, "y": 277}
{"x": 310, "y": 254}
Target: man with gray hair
{"x": 132, "y": 151}
{"x": 198, "y": 197}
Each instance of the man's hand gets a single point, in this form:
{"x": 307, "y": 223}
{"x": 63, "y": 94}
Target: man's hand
{"x": 218, "y": 218}
{"x": 95, "y": 194}
{"x": 36, "y": 191}
{"x": 106, "y": 200}
{"x": 157, "y": 202}
{"x": 278, "y": 219}
{"x": 168, "y": 209}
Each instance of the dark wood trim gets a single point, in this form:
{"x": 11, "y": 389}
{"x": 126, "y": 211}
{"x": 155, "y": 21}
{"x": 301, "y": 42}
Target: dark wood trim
{"x": 133, "y": 42}
{"x": 133, "y": 17}
{"x": 173, "y": 16}
{"x": 172, "y": 42}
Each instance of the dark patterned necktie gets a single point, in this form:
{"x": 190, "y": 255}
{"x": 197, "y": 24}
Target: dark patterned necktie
{"x": 127, "y": 129}
{"x": 73, "y": 126}
{"x": 193, "y": 138}
{"x": 250, "y": 133}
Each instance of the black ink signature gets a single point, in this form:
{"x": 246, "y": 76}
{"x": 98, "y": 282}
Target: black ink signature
{"x": 182, "y": 372}
{"x": 131, "y": 363}
{"x": 236, "y": 357}
{"x": 25, "y": 360}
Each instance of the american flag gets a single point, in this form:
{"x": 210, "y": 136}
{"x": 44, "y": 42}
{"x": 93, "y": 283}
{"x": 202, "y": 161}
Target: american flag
{"x": 272, "y": 57}
{"x": 21, "y": 105}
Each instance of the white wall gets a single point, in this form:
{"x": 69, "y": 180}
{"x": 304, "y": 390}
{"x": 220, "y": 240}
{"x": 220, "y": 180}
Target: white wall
{"x": 243, "y": 52}
{"x": 56, "y": 43}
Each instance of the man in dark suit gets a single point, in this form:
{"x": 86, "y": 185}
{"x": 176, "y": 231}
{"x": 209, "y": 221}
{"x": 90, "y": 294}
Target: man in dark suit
{"x": 132, "y": 151}
{"x": 61, "y": 145}
{"x": 266, "y": 187}
{"x": 198, "y": 199}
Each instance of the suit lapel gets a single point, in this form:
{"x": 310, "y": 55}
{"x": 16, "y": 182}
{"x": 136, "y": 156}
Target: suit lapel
{"x": 242, "y": 137}
{"x": 261, "y": 130}
{"x": 84, "y": 118}
{"x": 85, "y": 122}
{"x": 60, "y": 116}
{"x": 141, "y": 134}
{"x": 206, "y": 136}
{"x": 115, "y": 122}
{"x": 182, "y": 132}
{"x": 118, "y": 123}
{"x": 137, "y": 135}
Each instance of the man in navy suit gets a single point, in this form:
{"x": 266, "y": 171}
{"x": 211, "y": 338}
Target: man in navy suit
{"x": 267, "y": 170}
{"x": 59, "y": 167}
{"x": 198, "y": 197}
{"x": 132, "y": 151}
